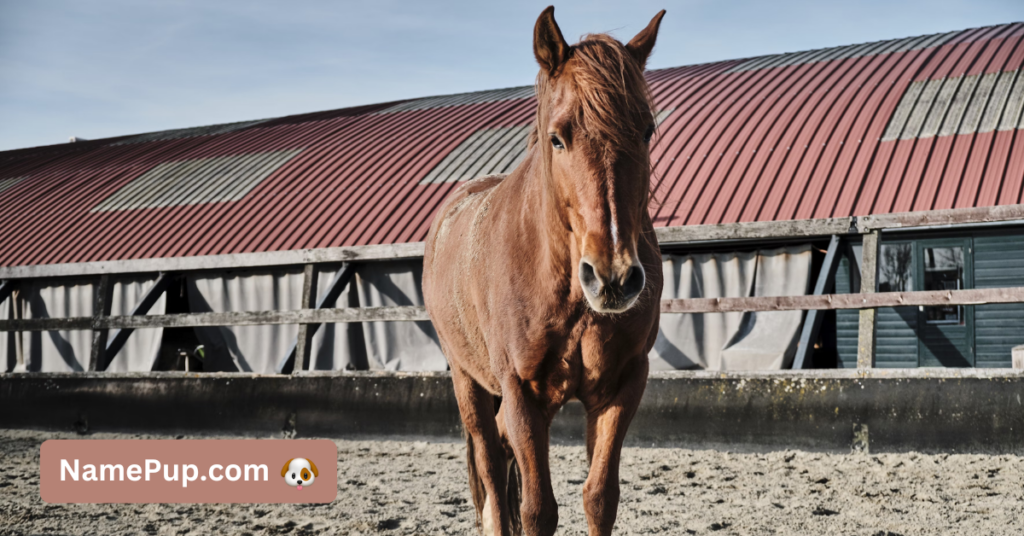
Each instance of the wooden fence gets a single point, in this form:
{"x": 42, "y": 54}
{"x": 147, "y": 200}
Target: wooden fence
{"x": 110, "y": 332}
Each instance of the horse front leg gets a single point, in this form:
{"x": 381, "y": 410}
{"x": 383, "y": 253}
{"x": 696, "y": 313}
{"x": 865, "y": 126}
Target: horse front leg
{"x": 607, "y": 422}
{"x": 485, "y": 455}
{"x": 527, "y": 427}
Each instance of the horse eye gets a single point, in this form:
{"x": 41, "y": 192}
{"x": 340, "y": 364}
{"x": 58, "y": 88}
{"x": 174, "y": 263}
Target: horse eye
{"x": 556, "y": 143}
{"x": 648, "y": 134}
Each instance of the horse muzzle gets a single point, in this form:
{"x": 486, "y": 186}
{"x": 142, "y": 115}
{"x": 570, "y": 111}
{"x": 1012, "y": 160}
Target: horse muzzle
{"x": 613, "y": 291}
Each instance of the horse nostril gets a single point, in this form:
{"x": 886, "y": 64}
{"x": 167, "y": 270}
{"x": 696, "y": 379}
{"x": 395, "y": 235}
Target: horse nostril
{"x": 588, "y": 278}
{"x": 633, "y": 282}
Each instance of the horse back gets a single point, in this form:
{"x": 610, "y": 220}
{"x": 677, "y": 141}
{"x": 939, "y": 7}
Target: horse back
{"x": 451, "y": 250}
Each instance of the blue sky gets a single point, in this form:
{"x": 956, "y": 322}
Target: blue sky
{"x": 96, "y": 69}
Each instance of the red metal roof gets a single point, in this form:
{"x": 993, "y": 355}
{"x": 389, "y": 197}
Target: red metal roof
{"x": 921, "y": 123}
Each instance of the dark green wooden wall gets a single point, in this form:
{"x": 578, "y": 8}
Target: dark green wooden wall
{"x": 998, "y": 258}
{"x": 998, "y": 262}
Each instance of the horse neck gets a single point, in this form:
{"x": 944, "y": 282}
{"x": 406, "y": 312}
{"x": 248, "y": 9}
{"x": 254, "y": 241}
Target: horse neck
{"x": 544, "y": 229}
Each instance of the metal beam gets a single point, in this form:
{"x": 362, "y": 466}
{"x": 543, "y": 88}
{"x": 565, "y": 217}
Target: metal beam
{"x": 868, "y": 317}
{"x": 6, "y": 287}
{"x": 119, "y": 337}
{"x": 812, "y": 322}
{"x": 100, "y": 311}
{"x": 300, "y": 351}
{"x": 337, "y": 285}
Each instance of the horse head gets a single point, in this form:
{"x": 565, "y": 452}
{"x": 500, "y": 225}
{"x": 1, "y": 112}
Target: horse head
{"x": 594, "y": 125}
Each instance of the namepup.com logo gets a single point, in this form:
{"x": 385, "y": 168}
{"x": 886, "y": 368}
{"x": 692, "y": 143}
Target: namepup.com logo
{"x": 188, "y": 471}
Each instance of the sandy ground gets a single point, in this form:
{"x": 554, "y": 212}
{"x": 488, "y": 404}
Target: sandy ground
{"x": 413, "y": 487}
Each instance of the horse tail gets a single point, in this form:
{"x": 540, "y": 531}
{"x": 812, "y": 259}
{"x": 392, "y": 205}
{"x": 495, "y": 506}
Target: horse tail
{"x": 514, "y": 495}
{"x": 476, "y": 484}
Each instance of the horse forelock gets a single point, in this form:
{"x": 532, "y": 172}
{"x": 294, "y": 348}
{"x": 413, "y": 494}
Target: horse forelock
{"x": 610, "y": 90}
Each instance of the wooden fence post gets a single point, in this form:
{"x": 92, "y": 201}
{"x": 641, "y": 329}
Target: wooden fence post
{"x": 868, "y": 285}
{"x": 304, "y": 341}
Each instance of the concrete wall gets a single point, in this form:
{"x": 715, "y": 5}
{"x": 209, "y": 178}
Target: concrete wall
{"x": 929, "y": 410}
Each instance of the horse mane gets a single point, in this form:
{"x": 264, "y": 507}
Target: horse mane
{"x": 611, "y": 88}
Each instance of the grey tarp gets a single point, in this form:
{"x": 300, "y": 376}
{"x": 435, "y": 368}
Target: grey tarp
{"x": 732, "y": 341}
{"x": 245, "y": 348}
{"x": 398, "y": 345}
{"x": 68, "y": 351}
{"x": 378, "y": 346}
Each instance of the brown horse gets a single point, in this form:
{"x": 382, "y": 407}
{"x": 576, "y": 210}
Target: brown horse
{"x": 544, "y": 285}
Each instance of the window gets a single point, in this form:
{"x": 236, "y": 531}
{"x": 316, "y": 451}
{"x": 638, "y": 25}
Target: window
{"x": 896, "y": 268}
{"x": 943, "y": 270}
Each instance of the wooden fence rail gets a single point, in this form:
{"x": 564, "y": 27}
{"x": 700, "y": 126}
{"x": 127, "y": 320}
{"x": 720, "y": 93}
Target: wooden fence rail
{"x": 827, "y": 302}
{"x": 249, "y": 318}
{"x": 415, "y": 313}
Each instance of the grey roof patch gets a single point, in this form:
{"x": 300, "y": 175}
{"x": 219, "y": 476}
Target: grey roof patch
{"x": 209, "y": 130}
{"x": 491, "y": 151}
{"x": 461, "y": 99}
{"x": 487, "y": 151}
{"x": 997, "y": 104}
{"x": 890, "y": 46}
{"x": 941, "y": 106}
{"x": 662, "y": 115}
{"x": 192, "y": 182}
{"x": 8, "y": 183}
{"x": 902, "y": 112}
{"x": 1014, "y": 104}
{"x": 972, "y": 117}
{"x": 920, "y": 111}
{"x": 957, "y": 108}
{"x": 958, "y": 105}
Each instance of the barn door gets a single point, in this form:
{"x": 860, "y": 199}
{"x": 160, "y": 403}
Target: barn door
{"x": 946, "y": 332}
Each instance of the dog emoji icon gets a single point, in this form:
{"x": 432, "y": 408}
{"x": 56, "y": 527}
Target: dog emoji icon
{"x": 298, "y": 472}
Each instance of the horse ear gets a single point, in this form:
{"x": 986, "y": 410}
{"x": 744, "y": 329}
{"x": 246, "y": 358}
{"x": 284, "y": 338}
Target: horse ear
{"x": 284, "y": 470}
{"x": 640, "y": 46}
{"x": 549, "y": 46}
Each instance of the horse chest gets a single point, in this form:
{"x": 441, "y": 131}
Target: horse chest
{"x": 552, "y": 358}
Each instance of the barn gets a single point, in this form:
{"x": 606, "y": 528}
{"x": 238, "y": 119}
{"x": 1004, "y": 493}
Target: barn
{"x": 294, "y": 244}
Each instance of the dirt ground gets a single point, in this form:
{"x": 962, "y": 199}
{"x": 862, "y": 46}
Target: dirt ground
{"x": 416, "y": 487}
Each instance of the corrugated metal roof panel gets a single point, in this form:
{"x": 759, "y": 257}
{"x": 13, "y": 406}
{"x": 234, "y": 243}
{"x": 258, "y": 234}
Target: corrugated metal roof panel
{"x": 890, "y": 46}
{"x": 903, "y": 110}
{"x": 462, "y": 99}
{"x": 957, "y": 108}
{"x": 1014, "y": 105}
{"x": 7, "y": 183}
{"x": 210, "y": 130}
{"x": 940, "y": 107}
{"x": 661, "y": 115}
{"x": 485, "y": 152}
{"x": 905, "y": 124}
{"x": 997, "y": 104}
{"x": 972, "y": 117}
{"x": 191, "y": 182}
